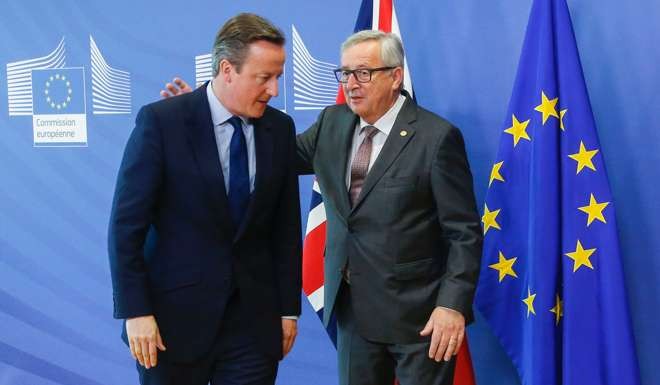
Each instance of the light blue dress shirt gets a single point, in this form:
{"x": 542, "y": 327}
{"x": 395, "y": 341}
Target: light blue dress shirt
{"x": 224, "y": 130}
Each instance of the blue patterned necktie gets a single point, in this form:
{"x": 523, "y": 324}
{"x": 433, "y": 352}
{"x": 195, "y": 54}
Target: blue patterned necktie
{"x": 239, "y": 175}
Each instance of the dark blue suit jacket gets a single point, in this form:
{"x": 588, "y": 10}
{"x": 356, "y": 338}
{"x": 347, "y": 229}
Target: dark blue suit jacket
{"x": 173, "y": 249}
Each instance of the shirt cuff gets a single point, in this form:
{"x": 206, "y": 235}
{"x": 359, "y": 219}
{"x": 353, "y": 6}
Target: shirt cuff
{"x": 453, "y": 310}
{"x": 293, "y": 317}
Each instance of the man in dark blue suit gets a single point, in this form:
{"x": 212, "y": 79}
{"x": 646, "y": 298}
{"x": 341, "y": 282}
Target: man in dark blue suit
{"x": 204, "y": 237}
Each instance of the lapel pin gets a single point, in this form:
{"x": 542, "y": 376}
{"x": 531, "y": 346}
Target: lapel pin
{"x": 403, "y": 133}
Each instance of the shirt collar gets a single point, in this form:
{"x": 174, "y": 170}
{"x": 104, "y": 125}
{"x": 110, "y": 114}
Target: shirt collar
{"x": 385, "y": 123}
{"x": 219, "y": 114}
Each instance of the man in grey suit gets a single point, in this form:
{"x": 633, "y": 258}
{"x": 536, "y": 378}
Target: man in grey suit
{"x": 403, "y": 234}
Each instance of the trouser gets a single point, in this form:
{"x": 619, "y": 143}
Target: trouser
{"x": 364, "y": 362}
{"x": 233, "y": 359}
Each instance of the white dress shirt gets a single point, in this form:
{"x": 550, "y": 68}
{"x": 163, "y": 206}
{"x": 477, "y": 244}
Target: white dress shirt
{"x": 384, "y": 125}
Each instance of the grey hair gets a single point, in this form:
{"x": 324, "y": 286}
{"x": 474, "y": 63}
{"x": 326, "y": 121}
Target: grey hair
{"x": 391, "y": 49}
{"x": 233, "y": 40}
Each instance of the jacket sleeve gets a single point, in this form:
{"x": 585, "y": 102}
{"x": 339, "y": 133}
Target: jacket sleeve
{"x": 286, "y": 236}
{"x": 451, "y": 182}
{"x": 133, "y": 208}
{"x": 306, "y": 147}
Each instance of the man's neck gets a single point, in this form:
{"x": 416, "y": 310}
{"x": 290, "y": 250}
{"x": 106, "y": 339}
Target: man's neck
{"x": 391, "y": 103}
{"x": 220, "y": 93}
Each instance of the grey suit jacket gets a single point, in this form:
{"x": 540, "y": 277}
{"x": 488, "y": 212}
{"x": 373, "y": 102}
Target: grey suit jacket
{"x": 413, "y": 239}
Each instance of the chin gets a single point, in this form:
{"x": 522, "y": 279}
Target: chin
{"x": 355, "y": 108}
{"x": 257, "y": 112}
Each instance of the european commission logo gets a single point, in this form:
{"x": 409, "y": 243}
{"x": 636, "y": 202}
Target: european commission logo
{"x": 58, "y": 103}
{"x": 55, "y": 95}
{"x": 314, "y": 83}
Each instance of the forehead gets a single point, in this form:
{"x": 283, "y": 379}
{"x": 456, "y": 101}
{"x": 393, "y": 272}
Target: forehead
{"x": 365, "y": 54}
{"x": 265, "y": 54}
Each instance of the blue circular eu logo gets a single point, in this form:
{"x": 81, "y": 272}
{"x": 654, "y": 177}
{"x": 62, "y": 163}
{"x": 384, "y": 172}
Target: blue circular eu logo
{"x": 58, "y": 92}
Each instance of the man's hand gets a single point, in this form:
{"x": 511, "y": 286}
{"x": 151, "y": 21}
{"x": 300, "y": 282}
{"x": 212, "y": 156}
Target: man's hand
{"x": 144, "y": 340}
{"x": 447, "y": 329}
{"x": 178, "y": 88}
{"x": 289, "y": 333}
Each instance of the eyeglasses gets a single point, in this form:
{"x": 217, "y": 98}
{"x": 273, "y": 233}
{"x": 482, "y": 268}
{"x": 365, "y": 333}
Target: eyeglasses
{"x": 362, "y": 75}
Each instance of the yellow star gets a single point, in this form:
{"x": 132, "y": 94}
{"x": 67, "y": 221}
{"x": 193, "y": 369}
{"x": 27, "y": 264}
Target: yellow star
{"x": 495, "y": 173}
{"x": 584, "y": 158}
{"x": 504, "y": 266}
{"x": 548, "y": 107}
{"x": 529, "y": 301}
{"x": 558, "y": 309}
{"x": 561, "y": 118}
{"x": 489, "y": 219}
{"x": 518, "y": 130}
{"x": 595, "y": 210}
{"x": 581, "y": 257}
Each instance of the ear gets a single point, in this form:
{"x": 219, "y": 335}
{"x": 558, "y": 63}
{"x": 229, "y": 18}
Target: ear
{"x": 225, "y": 70}
{"x": 397, "y": 74}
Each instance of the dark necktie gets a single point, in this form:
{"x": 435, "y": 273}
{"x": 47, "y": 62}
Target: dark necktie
{"x": 239, "y": 174}
{"x": 360, "y": 164}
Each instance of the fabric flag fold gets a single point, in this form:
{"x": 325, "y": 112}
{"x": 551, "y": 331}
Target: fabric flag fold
{"x": 551, "y": 284}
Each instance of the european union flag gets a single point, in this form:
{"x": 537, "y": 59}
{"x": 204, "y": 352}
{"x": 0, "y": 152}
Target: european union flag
{"x": 58, "y": 91}
{"x": 551, "y": 284}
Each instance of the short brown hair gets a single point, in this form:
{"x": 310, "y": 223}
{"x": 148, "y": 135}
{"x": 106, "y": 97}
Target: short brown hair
{"x": 234, "y": 38}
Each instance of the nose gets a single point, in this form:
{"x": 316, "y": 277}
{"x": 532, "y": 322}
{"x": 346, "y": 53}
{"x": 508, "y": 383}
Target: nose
{"x": 351, "y": 83}
{"x": 272, "y": 88}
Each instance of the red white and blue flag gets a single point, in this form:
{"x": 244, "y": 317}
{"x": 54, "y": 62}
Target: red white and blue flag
{"x": 377, "y": 15}
{"x": 313, "y": 250}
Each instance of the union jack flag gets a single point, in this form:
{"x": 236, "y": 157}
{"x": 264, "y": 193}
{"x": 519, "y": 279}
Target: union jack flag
{"x": 313, "y": 250}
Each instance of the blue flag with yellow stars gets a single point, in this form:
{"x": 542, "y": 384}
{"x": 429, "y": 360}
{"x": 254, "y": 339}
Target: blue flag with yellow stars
{"x": 551, "y": 284}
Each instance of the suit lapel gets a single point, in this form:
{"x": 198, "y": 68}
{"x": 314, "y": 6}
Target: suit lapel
{"x": 399, "y": 136}
{"x": 263, "y": 147}
{"x": 201, "y": 136}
